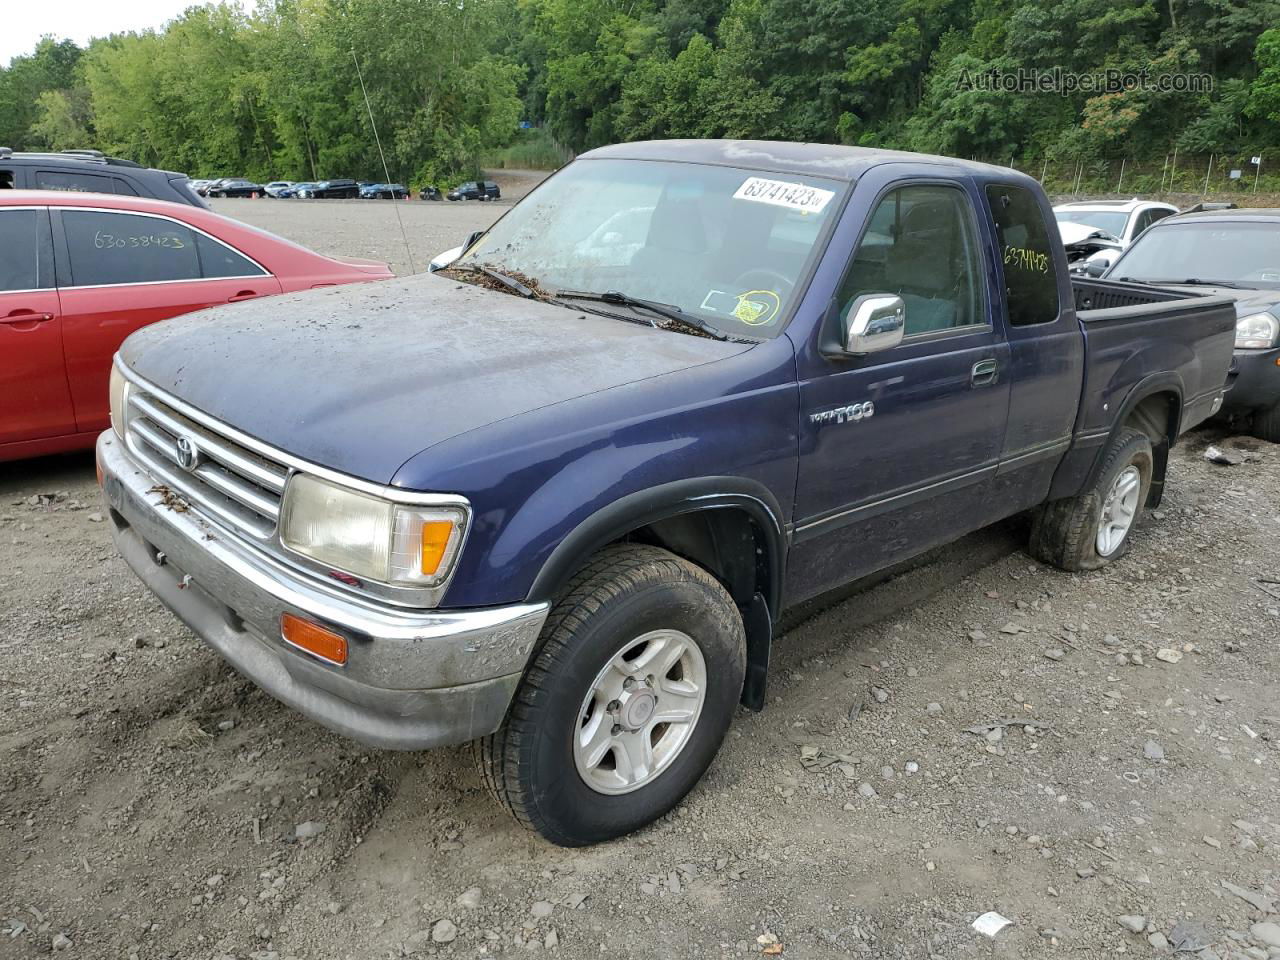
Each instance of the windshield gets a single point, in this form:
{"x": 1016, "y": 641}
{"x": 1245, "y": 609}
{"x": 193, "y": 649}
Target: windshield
{"x": 1238, "y": 252}
{"x": 728, "y": 246}
{"x": 1109, "y": 221}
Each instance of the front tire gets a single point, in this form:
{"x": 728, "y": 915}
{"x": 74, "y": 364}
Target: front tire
{"x": 1091, "y": 530}
{"x": 626, "y": 703}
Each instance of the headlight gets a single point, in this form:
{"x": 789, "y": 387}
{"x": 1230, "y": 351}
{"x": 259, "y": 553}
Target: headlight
{"x": 369, "y": 537}
{"x": 116, "y": 390}
{"x": 1257, "y": 331}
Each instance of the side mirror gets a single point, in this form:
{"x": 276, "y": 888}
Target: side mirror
{"x": 873, "y": 322}
{"x": 472, "y": 238}
{"x": 444, "y": 259}
{"x": 1096, "y": 268}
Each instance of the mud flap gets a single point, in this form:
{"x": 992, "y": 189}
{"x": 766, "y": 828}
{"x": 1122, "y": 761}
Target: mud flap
{"x": 1159, "y": 466}
{"x": 758, "y": 625}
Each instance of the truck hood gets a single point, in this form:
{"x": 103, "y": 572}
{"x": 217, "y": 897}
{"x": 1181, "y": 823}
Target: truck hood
{"x": 360, "y": 378}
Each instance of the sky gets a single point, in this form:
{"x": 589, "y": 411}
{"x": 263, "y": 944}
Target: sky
{"x": 24, "y": 22}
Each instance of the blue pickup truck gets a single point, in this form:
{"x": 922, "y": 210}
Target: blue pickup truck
{"x": 554, "y": 498}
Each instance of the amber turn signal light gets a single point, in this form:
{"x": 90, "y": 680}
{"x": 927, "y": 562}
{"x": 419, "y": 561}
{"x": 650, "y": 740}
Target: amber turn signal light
{"x": 316, "y": 640}
{"x": 435, "y": 540}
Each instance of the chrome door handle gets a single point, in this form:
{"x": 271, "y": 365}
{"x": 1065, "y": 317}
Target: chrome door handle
{"x": 983, "y": 372}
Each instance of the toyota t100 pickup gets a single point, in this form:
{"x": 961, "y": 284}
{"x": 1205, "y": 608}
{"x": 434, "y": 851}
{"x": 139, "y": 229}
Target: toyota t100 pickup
{"x": 554, "y": 498}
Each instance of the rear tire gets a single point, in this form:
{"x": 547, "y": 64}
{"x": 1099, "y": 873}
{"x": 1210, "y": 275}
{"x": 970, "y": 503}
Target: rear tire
{"x": 1091, "y": 530}
{"x": 1266, "y": 424}
{"x": 562, "y": 763}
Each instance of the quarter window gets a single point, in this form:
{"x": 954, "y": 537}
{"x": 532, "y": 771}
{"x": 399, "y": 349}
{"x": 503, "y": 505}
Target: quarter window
{"x": 219, "y": 260}
{"x": 921, "y": 245}
{"x": 1030, "y": 271}
{"x": 127, "y": 248}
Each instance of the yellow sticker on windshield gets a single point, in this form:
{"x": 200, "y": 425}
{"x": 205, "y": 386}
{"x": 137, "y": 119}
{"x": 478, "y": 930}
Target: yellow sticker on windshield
{"x": 756, "y": 308}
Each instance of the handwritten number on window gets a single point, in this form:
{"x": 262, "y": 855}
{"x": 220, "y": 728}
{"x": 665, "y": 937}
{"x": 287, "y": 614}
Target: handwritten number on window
{"x": 109, "y": 241}
{"x": 1023, "y": 259}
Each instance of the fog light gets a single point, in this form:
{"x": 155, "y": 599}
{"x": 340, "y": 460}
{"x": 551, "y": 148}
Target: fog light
{"x": 314, "y": 639}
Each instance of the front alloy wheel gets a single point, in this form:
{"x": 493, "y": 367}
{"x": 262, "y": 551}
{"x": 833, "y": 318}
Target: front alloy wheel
{"x": 640, "y": 711}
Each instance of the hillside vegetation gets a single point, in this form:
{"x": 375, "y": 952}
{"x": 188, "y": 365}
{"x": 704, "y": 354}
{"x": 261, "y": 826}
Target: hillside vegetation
{"x": 276, "y": 92}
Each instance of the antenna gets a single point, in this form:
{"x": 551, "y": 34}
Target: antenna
{"x": 387, "y": 173}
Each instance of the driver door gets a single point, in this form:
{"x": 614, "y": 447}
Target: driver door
{"x": 917, "y": 471}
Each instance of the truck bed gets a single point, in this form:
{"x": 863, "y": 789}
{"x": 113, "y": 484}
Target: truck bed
{"x": 1134, "y": 332}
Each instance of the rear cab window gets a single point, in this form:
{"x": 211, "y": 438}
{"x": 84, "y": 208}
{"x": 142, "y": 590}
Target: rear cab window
{"x": 1026, "y": 255}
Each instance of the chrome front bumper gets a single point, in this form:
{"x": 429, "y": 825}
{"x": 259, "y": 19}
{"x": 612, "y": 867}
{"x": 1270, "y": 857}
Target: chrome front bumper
{"x": 413, "y": 679}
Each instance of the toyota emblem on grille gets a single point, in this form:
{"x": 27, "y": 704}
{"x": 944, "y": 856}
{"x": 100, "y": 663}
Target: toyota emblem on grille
{"x": 188, "y": 454}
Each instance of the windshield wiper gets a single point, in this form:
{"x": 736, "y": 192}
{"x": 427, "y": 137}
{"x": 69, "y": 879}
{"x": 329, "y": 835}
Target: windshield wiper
{"x": 665, "y": 310}
{"x": 511, "y": 283}
{"x": 1193, "y": 282}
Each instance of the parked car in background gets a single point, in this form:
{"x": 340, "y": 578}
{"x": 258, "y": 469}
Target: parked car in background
{"x": 276, "y": 187}
{"x": 334, "y": 190}
{"x": 200, "y": 186}
{"x": 475, "y": 190}
{"x": 301, "y": 191}
{"x": 1096, "y": 231}
{"x": 818, "y": 362}
{"x": 91, "y": 171}
{"x": 430, "y": 192}
{"x": 236, "y": 187}
{"x": 384, "y": 191}
{"x": 80, "y": 271}
{"x": 1234, "y": 253}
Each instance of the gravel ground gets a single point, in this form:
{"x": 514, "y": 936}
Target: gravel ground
{"x": 371, "y": 228}
{"x": 978, "y": 733}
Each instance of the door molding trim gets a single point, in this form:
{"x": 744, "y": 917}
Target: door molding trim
{"x": 844, "y": 516}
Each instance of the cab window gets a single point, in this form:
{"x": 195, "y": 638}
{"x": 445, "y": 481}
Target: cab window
{"x": 1027, "y": 261}
{"x": 921, "y": 244}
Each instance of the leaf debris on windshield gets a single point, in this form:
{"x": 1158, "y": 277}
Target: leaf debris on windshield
{"x": 482, "y": 275}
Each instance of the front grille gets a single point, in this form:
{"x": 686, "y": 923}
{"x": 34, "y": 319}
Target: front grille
{"x": 223, "y": 480}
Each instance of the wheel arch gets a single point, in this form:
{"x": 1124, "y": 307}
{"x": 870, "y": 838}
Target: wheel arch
{"x": 1153, "y": 406}
{"x": 732, "y": 527}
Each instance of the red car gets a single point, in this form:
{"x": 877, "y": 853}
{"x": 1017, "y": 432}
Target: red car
{"x": 79, "y": 272}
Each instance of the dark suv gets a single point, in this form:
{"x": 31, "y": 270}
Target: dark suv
{"x": 476, "y": 190}
{"x": 89, "y": 171}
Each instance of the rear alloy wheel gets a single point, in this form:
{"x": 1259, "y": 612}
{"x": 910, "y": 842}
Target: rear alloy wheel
{"x": 1118, "y": 511}
{"x": 1090, "y": 530}
{"x": 626, "y": 702}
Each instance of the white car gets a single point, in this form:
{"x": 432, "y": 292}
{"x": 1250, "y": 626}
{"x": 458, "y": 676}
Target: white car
{"x": 275, "y": 186}
{"x": 1096, "y": 231}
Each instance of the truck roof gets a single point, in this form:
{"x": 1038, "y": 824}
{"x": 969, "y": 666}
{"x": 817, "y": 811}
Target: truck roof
{"x": 814, "y": 159}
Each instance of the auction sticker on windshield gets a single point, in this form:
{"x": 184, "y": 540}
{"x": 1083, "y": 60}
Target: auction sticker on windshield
{"x": 793, "y": 196}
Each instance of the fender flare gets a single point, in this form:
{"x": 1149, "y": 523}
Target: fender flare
{"x": 663, "y": 502}
{"x": 1167, "y": 382}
